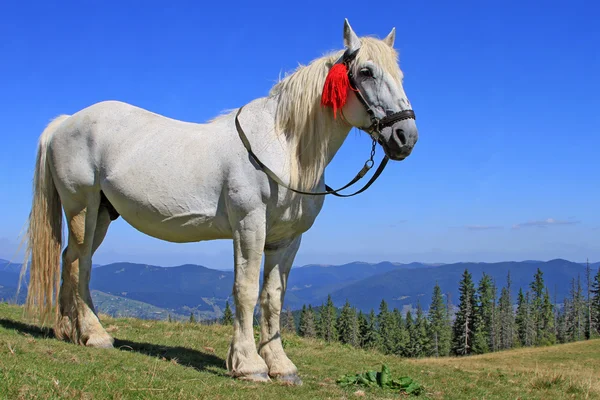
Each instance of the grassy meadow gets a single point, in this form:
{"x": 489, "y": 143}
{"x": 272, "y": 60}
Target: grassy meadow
{"x": 161, "y": 360}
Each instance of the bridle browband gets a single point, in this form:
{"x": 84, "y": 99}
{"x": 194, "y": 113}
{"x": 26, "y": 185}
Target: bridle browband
{"x": 374, "y": 130}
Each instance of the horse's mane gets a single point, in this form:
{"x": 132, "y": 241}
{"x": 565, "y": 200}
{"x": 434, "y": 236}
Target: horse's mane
{"x": 301, "y": 118}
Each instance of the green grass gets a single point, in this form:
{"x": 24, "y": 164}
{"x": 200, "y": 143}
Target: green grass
{"x": 161, "y": 360}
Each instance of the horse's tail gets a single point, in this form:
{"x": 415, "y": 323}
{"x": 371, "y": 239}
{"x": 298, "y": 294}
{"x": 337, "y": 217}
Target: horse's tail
{"x": 44, "y": 234}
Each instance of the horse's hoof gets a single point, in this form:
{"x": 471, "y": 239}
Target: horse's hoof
{"x": 100, "y": 342}
{"x": 261, "y": 377}
{"x": 291, "y": 379}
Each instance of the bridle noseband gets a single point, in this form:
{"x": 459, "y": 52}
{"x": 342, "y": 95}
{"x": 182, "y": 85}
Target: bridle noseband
{"x": 374, "y": 130}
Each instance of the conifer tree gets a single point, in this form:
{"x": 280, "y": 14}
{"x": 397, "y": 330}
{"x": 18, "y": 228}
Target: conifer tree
{"x": 541, "y": 310}
{"x": 548, "y": 335}
{"x": 464, "y": 322}
{"x": 371, "y": 338}
{"x": 422, "y": 343}
{"x": 327, "y": 321}
{"x": 400, "y": 336}
{"x": 588, "y": 277}
{"x": 575, "y": 313}
{"x": 506, "y": 318}
{"x": 484, "y": 320}
{"x": 170, "y": 319}
{"x": 495, "y": 328}
{"x": 387, "y": 334}
{"x": 411, "y": 349}
{"x": 521, "y": 318}
{"x": 319, "y": 320}
{"x": 480, "y": 339}
{"x": 307, "y": 326}
{"x": 595, "y": 305}
{"x": 347, "y": 326}
{"x": 227, "y": 318}
{"x": 530, "y": 322}
{"x": 439, "y": 328}
{"x": 363, "y": 326}
{"x": 561, "y": 323}
{"x": 192, "y": 318}
{"x": 287, "y": 322}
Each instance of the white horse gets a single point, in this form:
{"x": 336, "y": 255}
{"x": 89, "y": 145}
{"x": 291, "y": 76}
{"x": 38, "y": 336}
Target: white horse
{"x": 230, "y": 178}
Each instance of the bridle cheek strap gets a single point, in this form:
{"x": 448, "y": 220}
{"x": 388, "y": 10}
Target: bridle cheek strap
{"x": 378, "y": 124}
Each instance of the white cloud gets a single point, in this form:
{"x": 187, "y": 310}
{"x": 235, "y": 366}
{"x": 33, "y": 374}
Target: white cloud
{"x": 482, "y": 227}
{"x": 545, "y": 223}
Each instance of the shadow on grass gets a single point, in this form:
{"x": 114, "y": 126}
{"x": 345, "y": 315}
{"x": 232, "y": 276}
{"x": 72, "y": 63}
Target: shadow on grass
{"x": 182, "y": 355}
{"x": 32, "y": 330}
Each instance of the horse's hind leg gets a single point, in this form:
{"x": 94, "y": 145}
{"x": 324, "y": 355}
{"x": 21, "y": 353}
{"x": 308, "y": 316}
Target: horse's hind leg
{"x": 78, "y": 321}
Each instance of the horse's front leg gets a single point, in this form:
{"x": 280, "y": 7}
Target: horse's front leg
{"x": 243, "y": 360}
{"x": 277, "y": 267}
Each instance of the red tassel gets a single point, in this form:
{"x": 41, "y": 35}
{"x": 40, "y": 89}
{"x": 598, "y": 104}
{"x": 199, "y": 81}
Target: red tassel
{"x": 335, "y": 90}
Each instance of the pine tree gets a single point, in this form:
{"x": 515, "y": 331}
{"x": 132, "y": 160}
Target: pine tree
{"x": 495, "y": 320}
{"x": 464, "y": 328}
{"x": 347, "y": 326}
{"x": 506, "y": 319}
{"x": 575, "y": 317}
{"x": 371, "y": 339}
{"x": 192, "y": 318}
{"x": 561, "y": 323}
{"x": 387, "y": 331}
{"x": 521, "y": 318}
{"x": 307, "y": 326}
{"x": 542, "y": 311}
{"x": 327, "y": 321}
{"x": 588, "y": 277}
{"x": 227, "y": 318}
{"x": 548, "y": 335}
{"x": 422, "y": 343}
{"x": 595, "y": 305}
{"x": 530, "y": 322}
{"x": 411, "y": 348}
{"x": 400, "y": 336}
{"x": 287, "y": 322}
{"x": 484, "y": 316}
{"x": 439, "y": 328}
{"x": 363, "y": 326}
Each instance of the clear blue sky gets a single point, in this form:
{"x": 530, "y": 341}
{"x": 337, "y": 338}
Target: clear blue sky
{"x": 506, "y": 96}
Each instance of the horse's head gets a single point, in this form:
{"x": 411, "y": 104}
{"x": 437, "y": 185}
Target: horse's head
{"x": 375, "y": 100}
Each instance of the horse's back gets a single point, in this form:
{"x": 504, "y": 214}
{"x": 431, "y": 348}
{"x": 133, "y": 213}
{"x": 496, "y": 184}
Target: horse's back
{"x": 164, "y": 176}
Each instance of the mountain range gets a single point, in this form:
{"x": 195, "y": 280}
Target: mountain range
{"x": 149, "y": 291}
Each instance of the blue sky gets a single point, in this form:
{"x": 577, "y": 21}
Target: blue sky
{"x": 506, "y": 97}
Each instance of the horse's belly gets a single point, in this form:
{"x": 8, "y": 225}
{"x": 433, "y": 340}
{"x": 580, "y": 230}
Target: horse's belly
{"x": 171, "y": 219}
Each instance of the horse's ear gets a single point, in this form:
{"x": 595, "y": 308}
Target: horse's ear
{"x": 351, "y": 41}
{"x": 391, "y": 37}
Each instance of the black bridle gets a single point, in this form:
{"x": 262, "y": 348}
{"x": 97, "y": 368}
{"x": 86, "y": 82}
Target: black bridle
{"x": 374, "y": 131}
{"x": 377, "y": 124}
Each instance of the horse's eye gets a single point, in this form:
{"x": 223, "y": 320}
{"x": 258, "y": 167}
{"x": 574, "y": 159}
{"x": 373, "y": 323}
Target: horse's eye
{"x": 366, "y": 72}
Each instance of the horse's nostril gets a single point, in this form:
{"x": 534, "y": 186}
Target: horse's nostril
{"x": 401, "y": 136}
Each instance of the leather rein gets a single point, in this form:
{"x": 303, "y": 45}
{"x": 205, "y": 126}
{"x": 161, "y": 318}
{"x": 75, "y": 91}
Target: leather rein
{"x": 375, "y": 129}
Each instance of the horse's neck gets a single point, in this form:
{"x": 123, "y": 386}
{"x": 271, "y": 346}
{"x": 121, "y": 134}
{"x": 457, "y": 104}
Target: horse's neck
{"x": 337, "y": 136}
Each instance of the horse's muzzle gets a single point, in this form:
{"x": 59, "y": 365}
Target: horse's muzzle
{"x": 400, "y": 139}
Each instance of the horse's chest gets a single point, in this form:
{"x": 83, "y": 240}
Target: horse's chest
{"x": 292, "y": 219}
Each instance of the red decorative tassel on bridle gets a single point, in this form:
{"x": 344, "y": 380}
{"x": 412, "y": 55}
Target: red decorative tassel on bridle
{"x": 335, "y": 90}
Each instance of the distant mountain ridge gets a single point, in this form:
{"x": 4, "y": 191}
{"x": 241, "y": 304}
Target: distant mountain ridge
{"x": 188, "y": 288}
